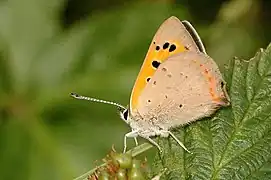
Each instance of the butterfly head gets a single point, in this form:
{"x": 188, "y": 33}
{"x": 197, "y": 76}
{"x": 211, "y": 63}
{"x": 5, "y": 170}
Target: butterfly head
{"x": 124, "y": 114}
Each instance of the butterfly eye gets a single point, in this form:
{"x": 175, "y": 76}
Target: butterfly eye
{"x": 124, "y": 114}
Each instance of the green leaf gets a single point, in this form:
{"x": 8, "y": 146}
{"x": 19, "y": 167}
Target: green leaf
{"x": 236, "y": 142}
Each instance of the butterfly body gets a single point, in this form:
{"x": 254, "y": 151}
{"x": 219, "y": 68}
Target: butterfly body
{"x": 178, "y": 83}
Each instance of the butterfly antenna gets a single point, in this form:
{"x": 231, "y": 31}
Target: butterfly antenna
{"x": 77, "y": 96}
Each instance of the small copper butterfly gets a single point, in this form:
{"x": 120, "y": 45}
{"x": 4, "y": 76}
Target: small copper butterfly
{"x": 178, "y": 83}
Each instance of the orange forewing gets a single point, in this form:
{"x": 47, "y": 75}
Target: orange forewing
{"x": 171, "y": 38}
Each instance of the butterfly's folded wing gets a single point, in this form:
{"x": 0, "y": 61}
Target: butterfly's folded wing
{"x": 186, "y": 87}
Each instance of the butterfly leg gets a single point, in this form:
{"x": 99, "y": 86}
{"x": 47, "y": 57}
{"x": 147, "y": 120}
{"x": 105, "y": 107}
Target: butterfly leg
{"x": 178, "y": 141}
{"x": 136, "y": 142}
{"x": 128, "y": 135}
{"x": 154, "y": 143}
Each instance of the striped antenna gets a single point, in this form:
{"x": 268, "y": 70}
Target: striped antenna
{"x": 77, "y": 96}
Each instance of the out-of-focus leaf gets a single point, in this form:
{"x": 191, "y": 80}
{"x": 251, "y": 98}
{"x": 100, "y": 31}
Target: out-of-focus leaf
{"x": 27, "y": 26}
{"x": 41, "y": 65}
{"x": 236, "y": 32}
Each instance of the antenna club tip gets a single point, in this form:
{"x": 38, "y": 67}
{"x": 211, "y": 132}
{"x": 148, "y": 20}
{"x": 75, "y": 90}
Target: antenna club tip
{"x": 73, "y": 94}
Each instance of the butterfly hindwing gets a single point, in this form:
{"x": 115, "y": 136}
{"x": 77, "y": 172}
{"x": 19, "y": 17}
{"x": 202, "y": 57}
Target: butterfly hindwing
{"x": 184, "y": 88}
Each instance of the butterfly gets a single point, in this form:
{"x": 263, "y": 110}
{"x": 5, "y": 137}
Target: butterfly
{"x": 178, "y": 83}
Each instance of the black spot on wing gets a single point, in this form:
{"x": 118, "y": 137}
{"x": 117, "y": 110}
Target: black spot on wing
{"x": 155, "y": 64}
{"x": 166, "y": 45}
{"x": 172, "y": 48}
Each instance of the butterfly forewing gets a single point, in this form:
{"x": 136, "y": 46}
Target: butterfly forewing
{"x": 171, "y": 38}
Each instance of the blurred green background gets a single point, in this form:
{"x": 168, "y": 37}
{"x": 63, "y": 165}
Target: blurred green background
{"x": 49, "y": 48}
